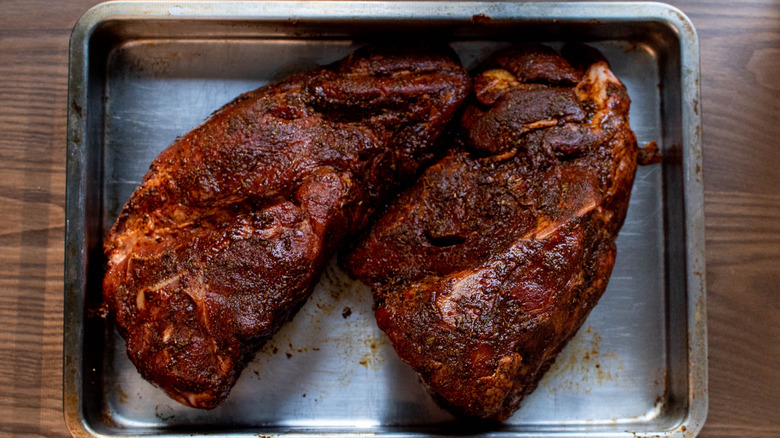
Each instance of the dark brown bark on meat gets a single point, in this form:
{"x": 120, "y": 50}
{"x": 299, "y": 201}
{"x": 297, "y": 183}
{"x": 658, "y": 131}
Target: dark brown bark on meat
{"x": 485, "y": 268}
{"x": 230, "y": 229}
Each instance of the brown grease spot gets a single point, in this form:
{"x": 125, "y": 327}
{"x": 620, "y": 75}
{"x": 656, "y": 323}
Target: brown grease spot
{"x": 580, "y": 368}
{"x": 375, "y": 358}
{"x": 123, "y": 397}
{"x": 481, "y": 18}
{"x": 76, "y": 107}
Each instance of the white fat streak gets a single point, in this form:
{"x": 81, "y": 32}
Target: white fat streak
{"x": 197, "y": 291}
{"x": 167, "y": 334}
{"x": 594, "y": 86}
{"x": 547, "y": 230}
{"x": 192, "y": 398}
{"x": 467, "y": 286}
{"x": 587, "y": 208}
{"x": 552, "y": 227}
{"x": 496, "y": 81}
{"x": 470, "y": 282}
{"x": 126, "y": 244}
{"x": 541, "y": 124}
{"x": 501, "y": 75}
{"x": 140, "y": 297}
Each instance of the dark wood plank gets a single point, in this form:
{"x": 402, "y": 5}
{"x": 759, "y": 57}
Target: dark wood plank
{"x": 743, "y": 248}
{"x": 740, "y": 55}
{"x": 33, "y": 89}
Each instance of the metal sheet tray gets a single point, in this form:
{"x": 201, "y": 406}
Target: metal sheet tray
{"x": 143, "y": 73}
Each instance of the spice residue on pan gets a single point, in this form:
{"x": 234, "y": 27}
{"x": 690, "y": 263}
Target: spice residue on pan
{"x": 376, "y": 356}
{"x": 583, "y": 364}
{"x": 336, "y": 325}
{"x": 122, "y": 395}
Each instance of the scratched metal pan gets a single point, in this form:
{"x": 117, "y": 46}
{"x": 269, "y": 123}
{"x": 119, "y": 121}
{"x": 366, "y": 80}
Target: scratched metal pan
{"x": 142, "y": 74}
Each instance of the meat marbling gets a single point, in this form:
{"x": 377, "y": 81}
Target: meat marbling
{"x": 230, "y": 228}
{"x": 488, "y": 265}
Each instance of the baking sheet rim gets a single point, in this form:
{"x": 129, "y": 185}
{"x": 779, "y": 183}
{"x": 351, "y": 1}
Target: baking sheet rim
{"x": 75, "y": 244}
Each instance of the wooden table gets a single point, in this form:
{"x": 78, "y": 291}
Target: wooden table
{"x": 740, "y": 51}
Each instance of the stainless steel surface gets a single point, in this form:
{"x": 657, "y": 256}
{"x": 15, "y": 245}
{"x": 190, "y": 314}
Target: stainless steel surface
{"x": 143, "y": 73}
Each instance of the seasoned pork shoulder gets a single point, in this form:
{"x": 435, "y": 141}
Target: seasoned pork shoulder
{"x": 230, "y": 229}
{"x": 485, "y": 268}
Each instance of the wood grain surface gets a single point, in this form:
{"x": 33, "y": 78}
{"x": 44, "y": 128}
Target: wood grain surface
{"x": 740, "y": 54}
